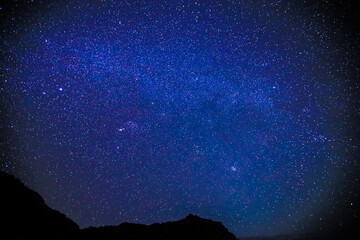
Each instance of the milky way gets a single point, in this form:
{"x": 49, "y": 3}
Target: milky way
{"x": 145, "y": 111}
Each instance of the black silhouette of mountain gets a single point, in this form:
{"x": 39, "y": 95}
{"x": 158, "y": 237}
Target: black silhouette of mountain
{"x": 190, "y": 228}
{"x": 24, "y": 214}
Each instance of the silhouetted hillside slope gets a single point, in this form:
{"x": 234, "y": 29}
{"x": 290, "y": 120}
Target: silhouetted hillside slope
{"x": 190, "y": 228}
{"x": 24, "y": 214}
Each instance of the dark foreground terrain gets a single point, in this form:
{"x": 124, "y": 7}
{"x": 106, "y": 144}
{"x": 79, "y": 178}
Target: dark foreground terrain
{"x": 24, "y": 215}
{"x": 191, "y": 227}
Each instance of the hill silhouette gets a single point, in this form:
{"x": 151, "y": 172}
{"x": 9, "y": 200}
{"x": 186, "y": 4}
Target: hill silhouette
{"x": 192, "y": 227}
{"x": 24, "y": 215}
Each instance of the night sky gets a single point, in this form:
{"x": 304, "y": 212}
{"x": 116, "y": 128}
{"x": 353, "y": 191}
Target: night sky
{"x": 144, "y": 111}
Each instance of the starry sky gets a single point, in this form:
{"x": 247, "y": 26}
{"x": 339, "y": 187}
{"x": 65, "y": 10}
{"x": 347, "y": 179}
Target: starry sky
{"x": 147, "y": 110}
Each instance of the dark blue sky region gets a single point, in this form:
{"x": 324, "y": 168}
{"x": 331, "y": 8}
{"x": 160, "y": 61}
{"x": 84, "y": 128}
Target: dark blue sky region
{"x": 145, "y": 111}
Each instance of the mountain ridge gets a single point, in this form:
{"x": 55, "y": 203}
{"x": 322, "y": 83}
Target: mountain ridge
{"x": 191, "y": 227}
{"x": 25, "y": 215}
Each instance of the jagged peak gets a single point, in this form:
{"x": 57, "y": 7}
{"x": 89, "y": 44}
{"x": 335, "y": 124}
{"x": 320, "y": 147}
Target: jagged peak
{"x": 192, "y": 216}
